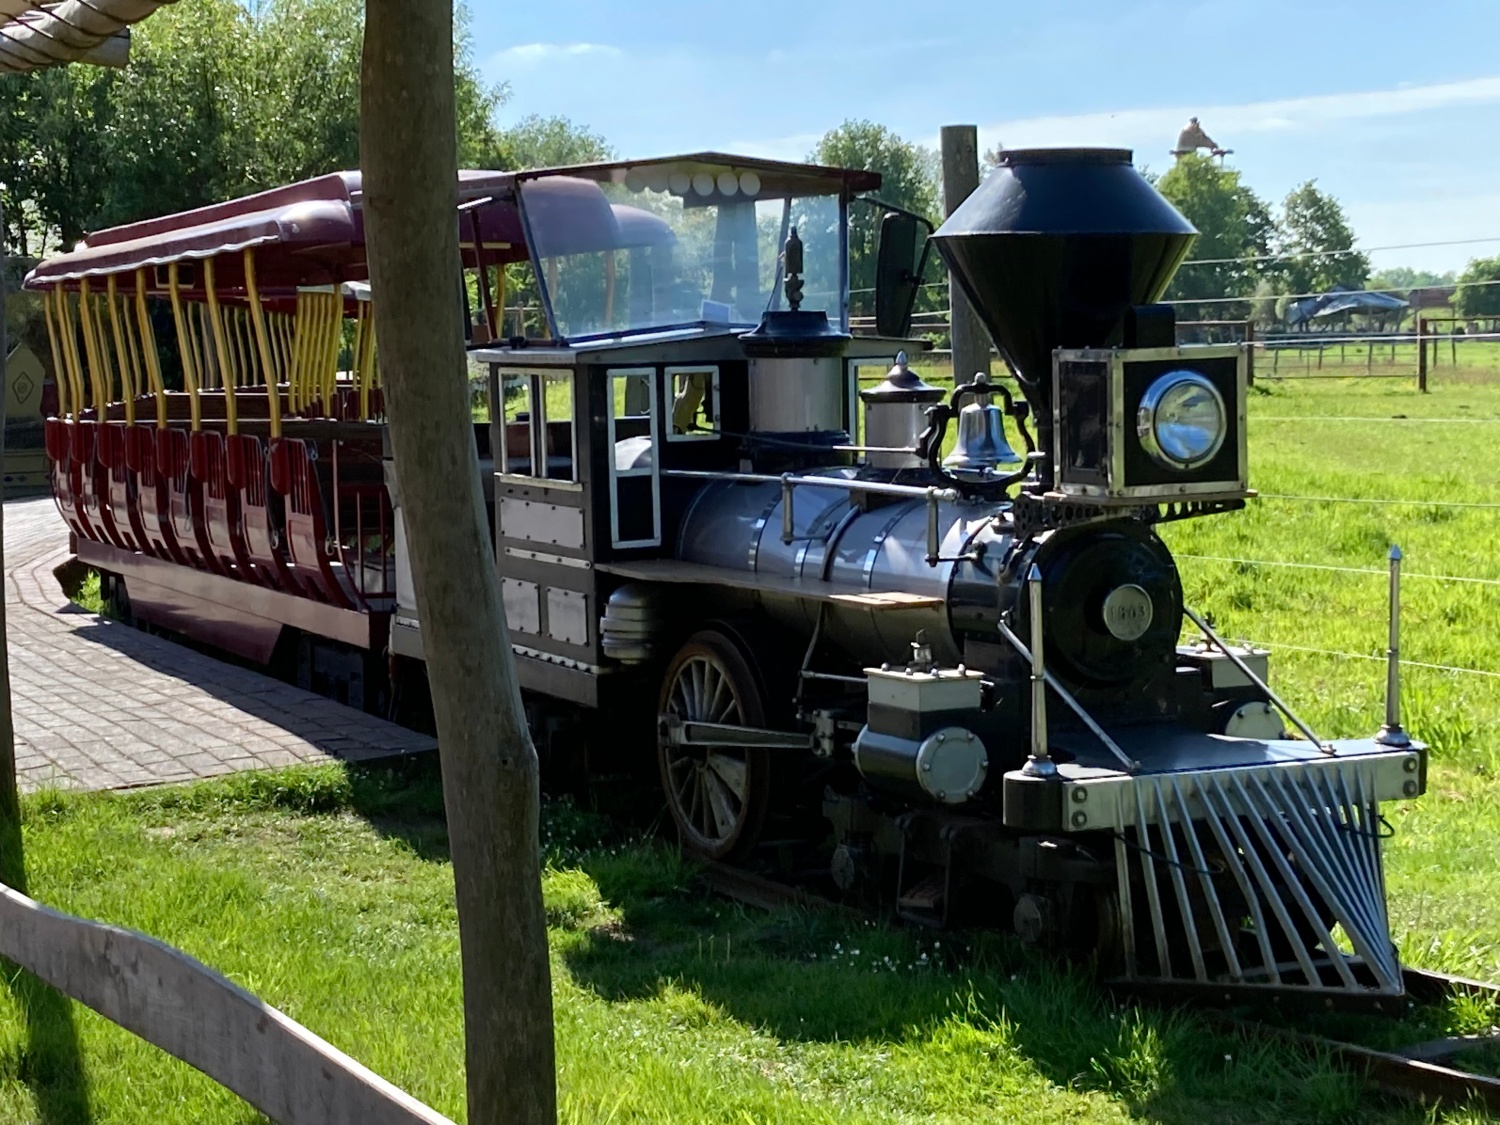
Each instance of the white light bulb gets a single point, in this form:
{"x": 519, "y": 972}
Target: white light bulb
{"x": 749, "y": 183}
{"x": 703, "y": 183}
{"x": 728, "y": 183}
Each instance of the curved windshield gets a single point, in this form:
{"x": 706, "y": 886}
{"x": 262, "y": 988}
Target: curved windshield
{"x": 664, "y": 246}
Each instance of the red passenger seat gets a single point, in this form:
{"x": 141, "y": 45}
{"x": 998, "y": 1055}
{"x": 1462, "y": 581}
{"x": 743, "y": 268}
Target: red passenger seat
{"x": 293, "y": 474}
{"x": 185, "y": 500}
{"x": 262, "y": 512}
{"x": 123, "y": 508}
{"x": 220, "y": 505}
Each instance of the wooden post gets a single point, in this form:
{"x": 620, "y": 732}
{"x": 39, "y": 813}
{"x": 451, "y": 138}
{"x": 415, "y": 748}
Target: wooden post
{"x": 408, "y": 152}
{"x": 1250, "y": 352}
{"x": 1422, "y": 354}
{"x": 971, "y": 343}
{"x": 10, "y": 802}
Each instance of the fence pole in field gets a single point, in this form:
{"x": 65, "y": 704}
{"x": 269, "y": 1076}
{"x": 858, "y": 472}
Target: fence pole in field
{"x": 971, "y": 343}
{"x": 1422, "y": 354}
{"x": 1250, "y": 353}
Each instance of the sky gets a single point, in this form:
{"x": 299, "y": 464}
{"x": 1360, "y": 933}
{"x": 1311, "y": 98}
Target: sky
{"x": 1394, "y": 107}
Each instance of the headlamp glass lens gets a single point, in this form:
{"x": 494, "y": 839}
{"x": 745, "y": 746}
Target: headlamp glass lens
{"x": 1183, "y": 421}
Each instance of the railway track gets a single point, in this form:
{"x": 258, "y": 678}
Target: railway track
{"x": 1421, "y": 1071}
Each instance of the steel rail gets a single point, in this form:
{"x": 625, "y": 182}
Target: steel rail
{"x": 1414, "y": 1073}
{"x": 1390, "y": 1072}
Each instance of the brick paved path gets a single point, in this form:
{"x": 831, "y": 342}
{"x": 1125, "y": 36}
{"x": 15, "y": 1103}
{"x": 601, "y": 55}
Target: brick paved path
{"x": 100, "y": 705}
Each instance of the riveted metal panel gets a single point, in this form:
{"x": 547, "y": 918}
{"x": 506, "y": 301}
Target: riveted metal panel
{"x": 567, "y": 616}
{"x": 523, "y": 606}
{"x": 536, "y": 521}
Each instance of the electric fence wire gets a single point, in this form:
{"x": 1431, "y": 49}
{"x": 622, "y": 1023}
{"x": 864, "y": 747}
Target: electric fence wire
{"x": 1261, "y": 297}
{"x": 1343, "y": 569}
{"x": 1365, "y": 418}
{"x": 1371, "y": 500}
{"x": 1273, "y": 645}
{"x": 1298, "y": 255}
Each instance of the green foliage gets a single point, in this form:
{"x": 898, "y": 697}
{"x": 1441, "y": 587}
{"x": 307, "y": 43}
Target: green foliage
{"x": 909, "y": 179}
{"x": 549, "y": 142}
{"x": 1479, "y": 289}
{"x": 1404, "y": 278}
{"x": 1313, "y": 223}
{"x": 219, "y": 100}
{"x": 1234, "y": 225}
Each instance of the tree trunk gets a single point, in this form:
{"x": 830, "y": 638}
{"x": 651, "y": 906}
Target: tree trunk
{"x": 12, "y": 871}
{"x": 409, "y": 154}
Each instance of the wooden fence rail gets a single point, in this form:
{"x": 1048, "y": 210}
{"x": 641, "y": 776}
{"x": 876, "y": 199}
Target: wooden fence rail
{"x": 191, "y": 1012}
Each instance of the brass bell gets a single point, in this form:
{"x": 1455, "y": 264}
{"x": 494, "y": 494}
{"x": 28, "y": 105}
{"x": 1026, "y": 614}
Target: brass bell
{"x": 981, "y": 438}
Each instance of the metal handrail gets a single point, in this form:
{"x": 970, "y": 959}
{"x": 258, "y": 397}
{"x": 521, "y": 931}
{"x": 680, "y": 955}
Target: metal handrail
{"x": 1131, "y": 765}
{"x": 848, "y": 484}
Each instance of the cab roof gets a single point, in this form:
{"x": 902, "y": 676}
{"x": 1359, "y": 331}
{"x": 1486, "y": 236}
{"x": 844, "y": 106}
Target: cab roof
{"x": 312, "y": 232}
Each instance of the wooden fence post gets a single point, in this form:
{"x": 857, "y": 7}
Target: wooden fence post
{"x": 1250, "y": 352}
{"x": 1422, "y": 354}
{"x": 971, "y": 343}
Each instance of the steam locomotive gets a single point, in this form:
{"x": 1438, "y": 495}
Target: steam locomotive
{"x": 962, "y": 669}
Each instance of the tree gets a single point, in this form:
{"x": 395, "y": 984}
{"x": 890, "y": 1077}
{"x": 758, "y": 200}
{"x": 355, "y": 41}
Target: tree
{"x": 1234, "y": 228}
{"x": 220, "y": 99}
{"x": 490, "y": 788}
{"x": 1317, "y": 241}
{"x": 1479, "y": 289}
{"x": 1404, "y": 278}
{"x": 549, "y": 142}
{"x": 909, "y": 179}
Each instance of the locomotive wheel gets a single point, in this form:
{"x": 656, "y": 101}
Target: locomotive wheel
{"x": 717, "y": 796}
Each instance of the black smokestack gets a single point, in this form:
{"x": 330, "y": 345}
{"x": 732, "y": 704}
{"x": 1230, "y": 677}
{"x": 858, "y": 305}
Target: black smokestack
{"x": 1054, "y": 248}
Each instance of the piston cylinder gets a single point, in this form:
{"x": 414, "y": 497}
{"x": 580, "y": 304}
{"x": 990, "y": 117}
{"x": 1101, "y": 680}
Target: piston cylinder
{"x": 913, "y": 743}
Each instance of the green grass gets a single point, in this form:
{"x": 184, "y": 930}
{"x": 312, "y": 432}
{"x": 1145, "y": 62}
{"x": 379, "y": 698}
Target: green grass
{"x": 328, "y": 892}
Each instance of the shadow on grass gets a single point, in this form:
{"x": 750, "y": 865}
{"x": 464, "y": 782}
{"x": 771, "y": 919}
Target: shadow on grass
{"x": 52, "y": 1065}
{"x": 630, "y": 922}
{"x": 823, "y": 977}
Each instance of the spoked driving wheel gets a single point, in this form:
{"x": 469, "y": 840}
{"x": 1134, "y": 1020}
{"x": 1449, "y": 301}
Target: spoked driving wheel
{"x": 717, "y": 795}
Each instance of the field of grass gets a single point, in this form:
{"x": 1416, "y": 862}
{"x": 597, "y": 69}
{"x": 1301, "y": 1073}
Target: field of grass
{"x": 328, "y": 892}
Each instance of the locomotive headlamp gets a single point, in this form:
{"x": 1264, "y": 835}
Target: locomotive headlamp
{"x": 1181, "y": 421}
{"x": 1149, "y": 425}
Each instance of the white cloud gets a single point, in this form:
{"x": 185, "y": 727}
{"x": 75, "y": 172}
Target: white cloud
{"x": 533, "y": 54}
{"x": 1282, "y": 115}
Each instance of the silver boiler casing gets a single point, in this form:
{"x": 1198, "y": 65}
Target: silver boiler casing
{"x": 839, "y": 548}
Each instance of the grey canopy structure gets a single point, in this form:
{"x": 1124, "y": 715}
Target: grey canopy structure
{"x": 35, "y": 35}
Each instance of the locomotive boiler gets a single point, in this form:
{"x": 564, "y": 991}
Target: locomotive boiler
{"x": 849, "y": 616}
